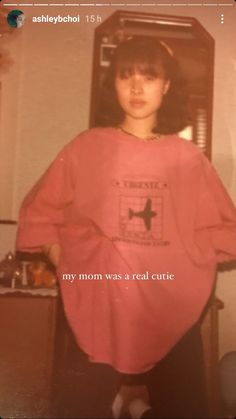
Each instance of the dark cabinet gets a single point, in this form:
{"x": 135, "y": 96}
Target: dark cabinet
{"x": 27, "y": 325}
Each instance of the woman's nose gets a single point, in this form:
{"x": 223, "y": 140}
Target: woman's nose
{"x": 136, "y": 85}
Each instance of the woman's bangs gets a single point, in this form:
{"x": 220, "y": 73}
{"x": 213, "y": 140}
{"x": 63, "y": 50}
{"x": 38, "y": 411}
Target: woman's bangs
{"x": 142, "y": 65}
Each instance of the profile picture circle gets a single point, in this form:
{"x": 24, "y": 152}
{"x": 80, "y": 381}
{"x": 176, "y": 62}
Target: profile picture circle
{"x": 15, "y": 18}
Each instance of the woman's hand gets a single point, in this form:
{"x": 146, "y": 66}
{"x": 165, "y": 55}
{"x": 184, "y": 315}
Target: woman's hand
{"x": 52, "y": 251}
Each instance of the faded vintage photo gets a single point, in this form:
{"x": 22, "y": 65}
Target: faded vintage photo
{"x": 118, "y": 218}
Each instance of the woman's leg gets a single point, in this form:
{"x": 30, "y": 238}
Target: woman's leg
{"x": 133, "y": 395}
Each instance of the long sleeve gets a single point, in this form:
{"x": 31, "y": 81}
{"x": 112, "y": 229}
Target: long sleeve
{"x": 42, "y": 211}
{"x": 217, "y": 212}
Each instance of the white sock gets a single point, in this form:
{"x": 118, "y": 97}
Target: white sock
{"x": 117, "y": 406}
{"x": 137, "y": 408}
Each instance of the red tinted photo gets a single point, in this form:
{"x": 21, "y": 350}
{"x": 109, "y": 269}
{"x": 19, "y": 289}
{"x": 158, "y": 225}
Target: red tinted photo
{"x": 118, "y": 218}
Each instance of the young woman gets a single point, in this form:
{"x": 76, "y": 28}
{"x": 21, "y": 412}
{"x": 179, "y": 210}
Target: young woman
{"x": 135, "y": 219}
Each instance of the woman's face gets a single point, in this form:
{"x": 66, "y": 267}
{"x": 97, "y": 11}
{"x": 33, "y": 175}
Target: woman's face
{"x": 140, "y": 95}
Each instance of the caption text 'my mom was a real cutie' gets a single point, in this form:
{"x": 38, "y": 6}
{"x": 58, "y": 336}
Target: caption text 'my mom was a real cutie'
{"x": 162, "y": 276}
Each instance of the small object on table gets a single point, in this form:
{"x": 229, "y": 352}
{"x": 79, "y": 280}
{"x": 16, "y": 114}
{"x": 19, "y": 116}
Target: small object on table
{"x": 24, "y": 273}
{"x": 40, "y": 275}
{"x": 10, "y": 268}
{"x": 16, "y": 279}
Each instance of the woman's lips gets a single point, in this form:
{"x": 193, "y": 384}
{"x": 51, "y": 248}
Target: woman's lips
{"x": 137, "y": 103}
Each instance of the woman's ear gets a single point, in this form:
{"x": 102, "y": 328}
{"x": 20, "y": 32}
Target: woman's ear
{"x": 166, "y": 87}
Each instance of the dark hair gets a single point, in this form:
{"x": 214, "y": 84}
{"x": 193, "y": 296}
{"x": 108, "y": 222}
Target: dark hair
{"x": 148, "y": 56}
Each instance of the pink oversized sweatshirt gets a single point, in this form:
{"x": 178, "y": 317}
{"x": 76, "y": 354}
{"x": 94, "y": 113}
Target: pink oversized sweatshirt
{"x": 142, "y": 225}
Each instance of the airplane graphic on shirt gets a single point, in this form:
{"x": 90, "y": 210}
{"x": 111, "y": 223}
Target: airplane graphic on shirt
{"x": 147, "y": 214}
